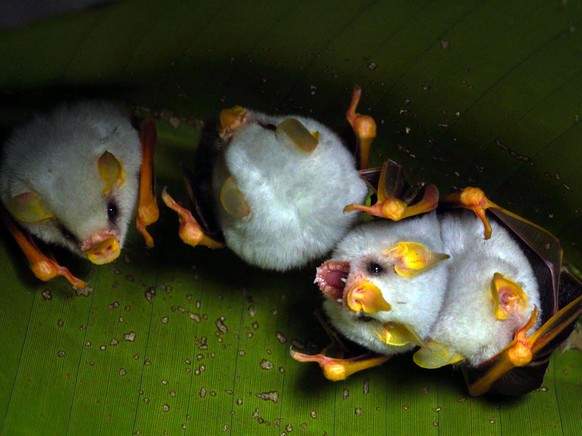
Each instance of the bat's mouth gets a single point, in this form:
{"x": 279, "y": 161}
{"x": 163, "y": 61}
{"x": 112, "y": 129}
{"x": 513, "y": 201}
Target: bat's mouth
{"x": 331, "y": 277}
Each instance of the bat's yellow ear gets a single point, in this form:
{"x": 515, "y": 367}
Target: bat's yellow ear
{"x": 435, "y": 355}
{"x": 232, "y": 200}
{"x": 398, "y": 334}
{"x": 412, "y": 258}
{"x": 29, "y": 208}
{"x": 507, "y": 296}
{"x": 298, "y": 134}
{"x": 111, "y": 171}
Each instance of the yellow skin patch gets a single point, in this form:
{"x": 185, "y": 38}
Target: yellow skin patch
{"x": 412, "y": 258}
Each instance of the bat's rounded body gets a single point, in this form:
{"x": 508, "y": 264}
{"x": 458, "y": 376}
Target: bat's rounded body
{"x": 449, "y": 304}
{"x": 294, "y": 196}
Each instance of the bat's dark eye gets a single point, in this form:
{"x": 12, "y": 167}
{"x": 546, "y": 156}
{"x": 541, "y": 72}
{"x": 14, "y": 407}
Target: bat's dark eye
{"x": 112, "y": 211}
{"x": 375, "y": 268}
{"x": 268, "y": 126}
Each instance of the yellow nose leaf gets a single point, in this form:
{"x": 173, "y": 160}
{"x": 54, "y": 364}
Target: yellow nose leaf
{"x": 297, "y": 133}
{"x": 104, "y": 252}
{"x": 232, "y": 200}
{"x": 29, "y": 208}
{"x": 111, "y": 171}
{"x": 412, "y": 258}
{"x": 366, "y": 297}
{"x": 508, "y": 296}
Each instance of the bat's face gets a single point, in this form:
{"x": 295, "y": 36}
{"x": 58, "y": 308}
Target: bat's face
{"x": 71, "y": 178}
{"x": 384, "y": 290}
{"x": 281, "y": 187}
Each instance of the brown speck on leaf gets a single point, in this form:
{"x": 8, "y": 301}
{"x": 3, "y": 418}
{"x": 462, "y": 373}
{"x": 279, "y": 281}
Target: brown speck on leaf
{"x": 47, "y": 294}
{"x": 366, "y": 386}
{"x": 269, "y": 396}
{"x": 61, "y": 353}
{"x": 84, "y": 292}
{"x": 346, "y": 394}
{"x": 281, "y": 338}
{"x": 221, "y": 326}
{"x": 60, "y": 322}
{"x": 150, "y": 293}
{"x": 266, "y": 364}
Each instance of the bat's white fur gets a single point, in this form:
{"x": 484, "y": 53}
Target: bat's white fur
{"x": 450, "y": 303}
{"x": 467, "y": 324}
{"x": 55, "y": 157}
{"x": 415, "y": 301}
{"x": 296, "y": 198}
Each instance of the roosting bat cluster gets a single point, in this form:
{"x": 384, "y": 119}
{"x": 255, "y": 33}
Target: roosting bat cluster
{"x": 457, "y": 281}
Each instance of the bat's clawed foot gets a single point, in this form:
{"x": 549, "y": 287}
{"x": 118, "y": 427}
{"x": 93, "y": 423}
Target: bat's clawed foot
{"x": 148, "y": 212}
{"x": 473, "y": 199}
{"x": 395, "y": 199}
{"x": 190, "y": 231}
{"x": 47, "y": 269}
{"x": 43, "y": 267}
{"x": 363, "y": 126}
{"x": 336, "y": 369}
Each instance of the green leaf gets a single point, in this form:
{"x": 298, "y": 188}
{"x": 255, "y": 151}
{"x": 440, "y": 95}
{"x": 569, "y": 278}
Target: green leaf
{"x": 465, "y": 93}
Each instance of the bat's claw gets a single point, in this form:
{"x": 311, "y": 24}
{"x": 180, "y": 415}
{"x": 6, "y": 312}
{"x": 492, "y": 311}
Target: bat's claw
{"x": 363, "y": 126}
{"x": 148, "y": 212}
{"x": 47, "y": 269}
{"x": 473, "y": 199}
{"x": 190, "y": 231}
{"x": 43, "y": 267}
{"x": 389, "y": 204}
{"x": 335, "y": 369}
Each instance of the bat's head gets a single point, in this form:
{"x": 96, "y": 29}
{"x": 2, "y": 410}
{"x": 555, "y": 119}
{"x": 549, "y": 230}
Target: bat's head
{"x": 385, "y": 284}
{"x": 70, "y": 178}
